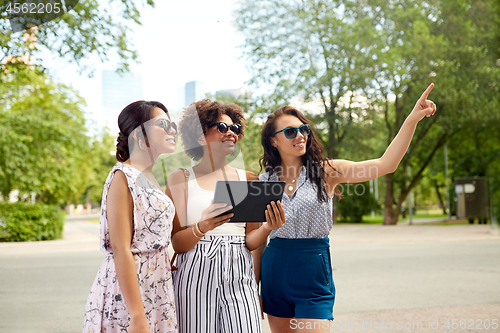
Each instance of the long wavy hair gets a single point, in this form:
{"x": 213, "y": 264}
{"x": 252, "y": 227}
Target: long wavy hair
{"x": 312, "y": 160}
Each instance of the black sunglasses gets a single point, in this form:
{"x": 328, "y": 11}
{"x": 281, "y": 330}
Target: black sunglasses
{"x": 167, "y": 125}
{"x": 223, "y": 127}
{"x": 291, "y": 132}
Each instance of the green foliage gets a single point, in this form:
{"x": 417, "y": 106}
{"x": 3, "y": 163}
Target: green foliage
{"x": 360, "y": 64}
{"x": 357, "y": 201}
{"x": 43, "y": 141}
{"x": 21, "y": 222}
{"x": 44, "y": 146}
{"x": 99, "y": 161}
{"x": 310, "y": 50}
{"x": 92, "y": 29}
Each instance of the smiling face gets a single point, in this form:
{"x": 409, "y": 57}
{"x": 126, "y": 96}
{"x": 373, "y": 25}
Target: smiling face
{"x": 160, "y": 140}
{"x": 292, "y": 147}
{"x": 225, "y": 142}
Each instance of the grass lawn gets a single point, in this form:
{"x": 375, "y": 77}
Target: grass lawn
{"x": 462, "y": 222}
{"x": 421, "y": 214}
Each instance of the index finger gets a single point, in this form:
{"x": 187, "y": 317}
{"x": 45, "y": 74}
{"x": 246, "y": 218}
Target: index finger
{"x": 426, "y": 92}
{"x": 219, "y": 210}
{"x": 282, "y": 211}
{"x": 214, "y": 206}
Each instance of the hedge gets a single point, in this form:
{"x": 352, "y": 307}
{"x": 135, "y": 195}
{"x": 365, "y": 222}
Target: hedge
{"x": 21, "y": 222}
{"x": 357, "y": 201}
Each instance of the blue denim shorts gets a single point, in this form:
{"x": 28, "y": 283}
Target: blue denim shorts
{"x": 297, "y": 279}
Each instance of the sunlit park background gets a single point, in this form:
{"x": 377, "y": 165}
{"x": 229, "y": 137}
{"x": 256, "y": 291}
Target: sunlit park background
{"x": 355, "y": 67}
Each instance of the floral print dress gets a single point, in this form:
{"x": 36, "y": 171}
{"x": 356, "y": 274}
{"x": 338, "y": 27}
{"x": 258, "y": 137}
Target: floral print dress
{"x": 106, "y": 310}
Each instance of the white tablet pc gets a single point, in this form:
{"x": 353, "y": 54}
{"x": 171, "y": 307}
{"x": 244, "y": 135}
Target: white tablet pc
{"x": 248, "y": 198}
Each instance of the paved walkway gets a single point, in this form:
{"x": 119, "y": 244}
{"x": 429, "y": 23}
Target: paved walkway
{"x": 404, "y": 275}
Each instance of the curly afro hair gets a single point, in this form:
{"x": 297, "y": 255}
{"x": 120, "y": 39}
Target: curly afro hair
{"x": 208, "y": 112}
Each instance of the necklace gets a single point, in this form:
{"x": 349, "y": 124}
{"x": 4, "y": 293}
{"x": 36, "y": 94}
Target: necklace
{"x": 290, "y": 186}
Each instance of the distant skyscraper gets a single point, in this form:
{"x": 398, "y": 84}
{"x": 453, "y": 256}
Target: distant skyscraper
{"x": 118, "y": 91}
{"x": 193, "y": 91}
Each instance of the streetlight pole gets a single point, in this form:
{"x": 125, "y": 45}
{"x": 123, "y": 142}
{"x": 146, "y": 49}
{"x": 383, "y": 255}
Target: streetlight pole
{"x": 410, "y": 195}
{"x": 371, "y": 192}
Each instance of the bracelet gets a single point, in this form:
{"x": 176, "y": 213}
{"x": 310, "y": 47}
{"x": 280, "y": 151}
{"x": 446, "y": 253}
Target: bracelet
{"x": 194, "y": 233}
{"x": 198, "y": 229}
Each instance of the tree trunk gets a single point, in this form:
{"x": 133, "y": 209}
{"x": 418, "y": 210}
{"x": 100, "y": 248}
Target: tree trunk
{"x": 390, "y": 216}
{"x": 331, "y": 149}
{"x": 443, "y": 207}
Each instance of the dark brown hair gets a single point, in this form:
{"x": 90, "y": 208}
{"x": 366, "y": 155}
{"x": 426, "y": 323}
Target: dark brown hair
{"x": 205, "y": 113}
{"x": 312, "y": 160}
{"x": 132, "y": 116}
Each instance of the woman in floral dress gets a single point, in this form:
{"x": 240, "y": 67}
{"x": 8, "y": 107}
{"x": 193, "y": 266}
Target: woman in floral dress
{"x": 133, "y": 289}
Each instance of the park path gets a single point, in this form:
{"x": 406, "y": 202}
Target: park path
{"x": 403, "y": 275}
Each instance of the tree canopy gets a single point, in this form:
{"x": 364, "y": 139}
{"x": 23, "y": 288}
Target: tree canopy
{"x": 366, "y": 62}
{"x": 43, "y": 138}
{"x": 92, "y": 28}
{"x": 45, "y": 147}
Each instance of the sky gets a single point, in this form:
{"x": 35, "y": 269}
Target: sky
{"x": 179, "y": 41}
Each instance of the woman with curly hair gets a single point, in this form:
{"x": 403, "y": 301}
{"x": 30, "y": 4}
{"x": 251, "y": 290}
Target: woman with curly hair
{"x": 215, "y": 284}
{"x": 297, "y": 285}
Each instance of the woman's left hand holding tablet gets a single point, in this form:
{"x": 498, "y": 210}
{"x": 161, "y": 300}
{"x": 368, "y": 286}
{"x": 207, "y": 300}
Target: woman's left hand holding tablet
{"x": 275, "y": 216}
{"x": 210, "y": 219}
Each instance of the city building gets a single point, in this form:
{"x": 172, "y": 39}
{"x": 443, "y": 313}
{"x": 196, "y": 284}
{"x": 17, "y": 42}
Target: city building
{"x": 118, "y": 90}
{"x": 193, "y": 91}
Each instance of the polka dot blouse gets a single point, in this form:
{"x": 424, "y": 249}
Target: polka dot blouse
{"x": 306, "y": 217}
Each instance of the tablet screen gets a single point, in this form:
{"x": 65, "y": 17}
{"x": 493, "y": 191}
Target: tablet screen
{"x": 248, "y": 198}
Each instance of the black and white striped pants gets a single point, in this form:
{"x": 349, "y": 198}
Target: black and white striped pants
{"x": 215, "y": 288}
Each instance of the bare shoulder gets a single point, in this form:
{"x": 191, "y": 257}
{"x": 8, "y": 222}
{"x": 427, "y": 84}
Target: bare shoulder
{"x": 119, "y": 181}
{"x": 118, "y": 189}
{"x": 333, "y": 169}
{"x": 251, "y": 176}
{"x": 176, "y": 177}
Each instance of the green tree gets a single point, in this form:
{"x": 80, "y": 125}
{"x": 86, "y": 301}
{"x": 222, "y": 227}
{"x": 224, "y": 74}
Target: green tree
{"x": 44, "y": 146}
{"x": 450, "y": 43}
{"x": 43, "y": 141}
{"x": 99, "y": 160}
{"x": 308, "y": 49}
{"x": 389, "y": 50}
{"x": 92, "y": 28}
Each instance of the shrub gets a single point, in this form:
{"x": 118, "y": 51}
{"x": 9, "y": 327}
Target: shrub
{"x": 357, "y": 201}
{"x": 21, "y": 222}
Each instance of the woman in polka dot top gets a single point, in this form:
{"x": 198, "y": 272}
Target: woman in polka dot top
{"x": 297, "y": 284}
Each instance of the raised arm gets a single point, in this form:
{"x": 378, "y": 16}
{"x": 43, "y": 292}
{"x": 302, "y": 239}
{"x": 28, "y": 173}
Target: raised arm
{"x": 343, "y": 171}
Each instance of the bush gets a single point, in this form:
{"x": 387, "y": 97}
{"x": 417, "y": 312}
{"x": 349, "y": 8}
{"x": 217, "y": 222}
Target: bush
{"x": 357, "y": 201}
{"x": 21, "y": 222}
